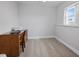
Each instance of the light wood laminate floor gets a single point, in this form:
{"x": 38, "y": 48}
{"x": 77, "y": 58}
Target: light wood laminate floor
{"x": 46, "y": 48}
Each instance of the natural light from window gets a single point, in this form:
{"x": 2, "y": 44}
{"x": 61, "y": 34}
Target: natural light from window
{"x": 71, "y": 14}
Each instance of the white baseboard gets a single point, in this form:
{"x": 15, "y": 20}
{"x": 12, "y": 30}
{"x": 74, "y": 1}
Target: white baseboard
{"x": 39, "y": 37}
{"x": 69, "y": 46}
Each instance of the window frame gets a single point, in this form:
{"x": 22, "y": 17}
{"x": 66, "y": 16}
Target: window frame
{"x": 65, "y": 17}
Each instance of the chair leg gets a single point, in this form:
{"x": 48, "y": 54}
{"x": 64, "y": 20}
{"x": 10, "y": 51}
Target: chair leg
{"x": 22, "y": 48}
{"x": 24, "y": 44}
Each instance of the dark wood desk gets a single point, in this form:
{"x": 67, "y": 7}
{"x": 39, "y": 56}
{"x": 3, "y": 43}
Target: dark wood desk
{"x": 12, "y": 44}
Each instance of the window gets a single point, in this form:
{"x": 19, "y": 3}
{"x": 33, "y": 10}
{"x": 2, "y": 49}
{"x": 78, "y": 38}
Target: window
{"x": 70, "y": 15}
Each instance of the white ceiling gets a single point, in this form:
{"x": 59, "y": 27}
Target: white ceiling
{"x": 47, "y": 3}
{"x": 53, "y": 3}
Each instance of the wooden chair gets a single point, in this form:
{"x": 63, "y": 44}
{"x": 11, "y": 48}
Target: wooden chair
{"x": 23, "y": 38}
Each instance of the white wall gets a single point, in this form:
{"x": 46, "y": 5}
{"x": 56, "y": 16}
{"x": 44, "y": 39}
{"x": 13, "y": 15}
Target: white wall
{"x": 67, "y": 34}
{"x": 39, "y": 19}
{"x": 8, "y": 16}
